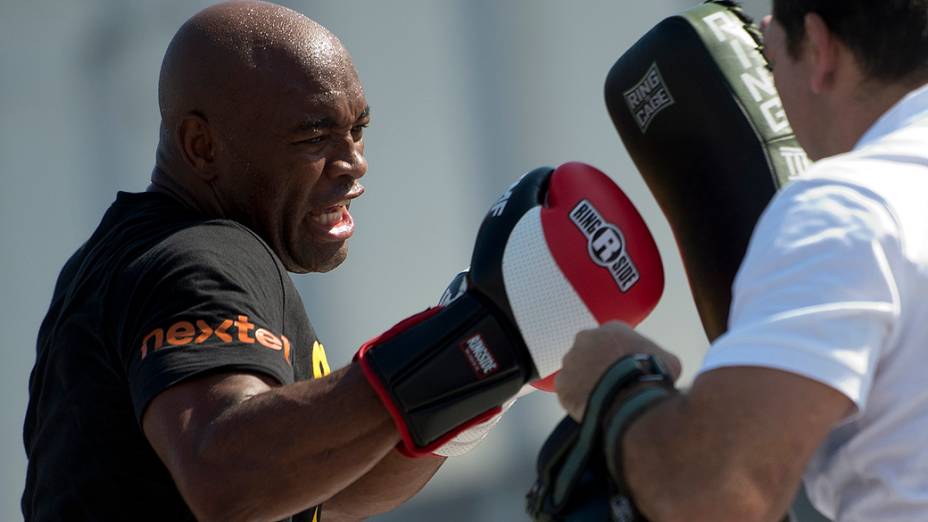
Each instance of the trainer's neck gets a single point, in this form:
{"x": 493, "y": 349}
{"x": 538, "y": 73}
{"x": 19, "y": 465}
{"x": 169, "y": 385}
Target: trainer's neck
{"x": 861, "y": 112}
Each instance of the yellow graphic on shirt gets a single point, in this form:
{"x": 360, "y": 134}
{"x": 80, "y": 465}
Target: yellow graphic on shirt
{"x": 320, "y": 363}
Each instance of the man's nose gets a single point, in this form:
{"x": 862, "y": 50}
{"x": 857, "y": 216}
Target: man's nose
{"x": 348, "y": 159}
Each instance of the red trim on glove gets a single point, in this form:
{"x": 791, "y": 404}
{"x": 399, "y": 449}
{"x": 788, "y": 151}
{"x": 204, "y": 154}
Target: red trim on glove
{"x": 407, "y": 446}
{"x": 546, "y": 383}
{"x": 401, "y": 326}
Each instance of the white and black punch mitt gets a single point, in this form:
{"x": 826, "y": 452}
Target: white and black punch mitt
{"x": 696, "y": 107}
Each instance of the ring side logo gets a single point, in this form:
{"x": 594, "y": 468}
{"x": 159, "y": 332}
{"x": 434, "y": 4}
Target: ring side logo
{"x": 479, "y": 356}
{"x": 605, "y": 245}
{"x": 648, "y": 97}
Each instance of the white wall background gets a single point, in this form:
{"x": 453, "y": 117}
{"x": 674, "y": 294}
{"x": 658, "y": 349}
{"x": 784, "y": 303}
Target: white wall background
{"x": 466, "y": 96}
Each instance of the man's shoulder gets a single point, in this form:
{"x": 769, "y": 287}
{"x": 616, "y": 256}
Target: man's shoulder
{"x": 164, "y": 229}
{"x": 859, "y": 175}
{"x": 221, "y": 247}
{"x": 212, "y": 237}
{"x": 834, "y": 199}
{"x": 900, "y": 156}
{"x": 889, "y": 176}
{"x": 158, "y": 237}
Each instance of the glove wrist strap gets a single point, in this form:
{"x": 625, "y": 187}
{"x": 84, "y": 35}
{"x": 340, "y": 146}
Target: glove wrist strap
{"x": 441, "y": 373}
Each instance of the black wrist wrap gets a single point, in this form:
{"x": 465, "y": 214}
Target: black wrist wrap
{"x": 573, "y": 473}
{"x": 439, "y": 374}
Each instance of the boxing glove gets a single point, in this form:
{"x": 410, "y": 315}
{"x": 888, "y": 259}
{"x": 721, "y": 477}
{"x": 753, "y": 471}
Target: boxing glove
{"x": 560, "y": 251}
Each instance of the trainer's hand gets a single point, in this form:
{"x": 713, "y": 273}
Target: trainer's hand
{"x": 593, "y": 352}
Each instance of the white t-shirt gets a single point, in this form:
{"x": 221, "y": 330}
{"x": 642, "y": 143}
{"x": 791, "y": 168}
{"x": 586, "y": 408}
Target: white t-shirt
{"x": 834, "y": 287}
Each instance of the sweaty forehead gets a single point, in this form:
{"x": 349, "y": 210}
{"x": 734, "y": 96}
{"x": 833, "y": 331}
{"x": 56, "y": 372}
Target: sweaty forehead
{"x": 317, "y": 64}
{"x": 294, "y": 90}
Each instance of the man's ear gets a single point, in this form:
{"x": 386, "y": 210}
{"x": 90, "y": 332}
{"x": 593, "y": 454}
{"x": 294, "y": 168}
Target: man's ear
{"x": 823, "y": 48}
{"x": 196, "y": 143}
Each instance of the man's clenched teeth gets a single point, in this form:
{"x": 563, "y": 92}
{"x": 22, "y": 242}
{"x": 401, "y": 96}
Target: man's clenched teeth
{"x": 330, "y": 215}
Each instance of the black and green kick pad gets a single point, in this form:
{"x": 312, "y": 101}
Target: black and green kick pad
{"x": 696, "y": 107}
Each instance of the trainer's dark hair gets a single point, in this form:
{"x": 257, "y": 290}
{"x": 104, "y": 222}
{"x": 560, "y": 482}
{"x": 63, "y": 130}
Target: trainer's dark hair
{"x": 888, "y": 37}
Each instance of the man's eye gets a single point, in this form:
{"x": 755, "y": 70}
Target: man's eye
{"x": 315, "y": 140}
{"x": 358, "y": 130}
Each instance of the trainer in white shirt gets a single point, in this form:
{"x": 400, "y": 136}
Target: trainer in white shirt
{"x": 820, "y": 376}
{"x": 833, "y": 288}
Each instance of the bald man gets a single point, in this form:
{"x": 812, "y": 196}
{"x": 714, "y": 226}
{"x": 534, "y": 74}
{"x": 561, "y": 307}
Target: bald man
{"x": 177, "y": 375}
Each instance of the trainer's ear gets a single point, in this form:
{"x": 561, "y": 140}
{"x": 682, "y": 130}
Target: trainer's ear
{"x": 196, "y": 144}
{"x": 823, "y": 49}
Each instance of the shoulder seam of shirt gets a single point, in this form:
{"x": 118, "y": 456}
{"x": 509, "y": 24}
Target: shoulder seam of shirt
{"x": 274, "y": 260}
{"x": 866, "y": 194}
{"x": 225, "y": 222}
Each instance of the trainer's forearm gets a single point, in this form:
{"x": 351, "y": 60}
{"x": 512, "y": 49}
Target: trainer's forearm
{"x": 394, "y": 480}
{"x": 292, "y": 447}
{"x": 681, "y": 464}
{"x": 671, "y": 469}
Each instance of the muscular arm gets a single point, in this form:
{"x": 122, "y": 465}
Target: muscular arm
{"x": 240, "y": 447}
{"x": 733, "y": 448}
{"x": 391, "y": 482}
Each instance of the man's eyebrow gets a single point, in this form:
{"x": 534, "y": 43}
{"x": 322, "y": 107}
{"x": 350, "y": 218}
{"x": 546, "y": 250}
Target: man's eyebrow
{"x": 325, "y": 123}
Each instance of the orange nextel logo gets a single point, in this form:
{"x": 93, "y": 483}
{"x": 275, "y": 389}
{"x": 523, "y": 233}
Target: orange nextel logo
{"x": 183, "y": 333}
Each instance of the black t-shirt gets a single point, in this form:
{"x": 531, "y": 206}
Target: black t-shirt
{"x": 157, "y": 295}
